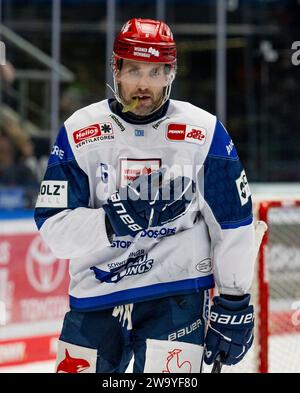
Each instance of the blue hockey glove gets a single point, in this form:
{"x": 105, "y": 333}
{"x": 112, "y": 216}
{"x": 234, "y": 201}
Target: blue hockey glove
{"x": 230, "y": 329}
{"x": 146, "y": 203}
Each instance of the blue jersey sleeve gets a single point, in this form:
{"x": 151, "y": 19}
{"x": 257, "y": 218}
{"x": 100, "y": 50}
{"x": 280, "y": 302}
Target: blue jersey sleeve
{"x": 226, "y": 188}
{"x": 65, "y": 184}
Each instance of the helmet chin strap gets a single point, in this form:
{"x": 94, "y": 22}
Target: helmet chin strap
{"x": 135, "y": 101}
{"x": 126, "y": 107}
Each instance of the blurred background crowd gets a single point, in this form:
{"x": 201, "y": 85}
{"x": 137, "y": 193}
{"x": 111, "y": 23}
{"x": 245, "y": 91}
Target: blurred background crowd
{"x": 262, "y": 106}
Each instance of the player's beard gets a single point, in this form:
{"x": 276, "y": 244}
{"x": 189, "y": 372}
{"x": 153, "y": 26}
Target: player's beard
{"x": 137, "y": 106}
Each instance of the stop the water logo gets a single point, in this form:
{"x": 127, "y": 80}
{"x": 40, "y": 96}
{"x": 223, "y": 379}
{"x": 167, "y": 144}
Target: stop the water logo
{"x": 44, "y": 271}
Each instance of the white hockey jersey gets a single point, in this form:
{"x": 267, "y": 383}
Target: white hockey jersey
{"x": 96, "y": 152}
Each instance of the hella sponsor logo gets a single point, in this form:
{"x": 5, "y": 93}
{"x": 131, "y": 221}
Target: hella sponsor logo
{"x": 86, "y": 133}
{"x": 185, "y": 331}
{"x": 93, "y": 133}
{"x": 187, "y": 133}
{"x": 131, "y": 267}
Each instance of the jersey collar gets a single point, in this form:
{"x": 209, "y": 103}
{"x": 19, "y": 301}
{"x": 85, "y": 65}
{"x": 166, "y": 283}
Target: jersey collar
{"x": 129, "y": 117}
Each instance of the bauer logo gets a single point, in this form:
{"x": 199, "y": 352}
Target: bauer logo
{"x": 187, "y": 133}
{"x": 53, "y": 194}
{"x": 2, "y": 53}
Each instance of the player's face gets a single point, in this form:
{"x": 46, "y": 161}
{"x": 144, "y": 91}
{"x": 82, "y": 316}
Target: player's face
{"x": 145, "y": 81}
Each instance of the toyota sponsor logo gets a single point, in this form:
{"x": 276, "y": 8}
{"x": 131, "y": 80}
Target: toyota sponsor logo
{"x": 44, "y": 271}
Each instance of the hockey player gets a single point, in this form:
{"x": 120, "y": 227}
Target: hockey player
{"x": 148, "y": 199}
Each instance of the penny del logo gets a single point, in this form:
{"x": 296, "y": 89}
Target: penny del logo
{"x": 186, "y": 133}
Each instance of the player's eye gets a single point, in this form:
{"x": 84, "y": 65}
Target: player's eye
{"x": 155, "y": 72}
{"x": 133, "y": 71}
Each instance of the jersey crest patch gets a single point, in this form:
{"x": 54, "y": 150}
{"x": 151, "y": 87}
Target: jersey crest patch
{"x": 186, "y": 133}
{"x": 132, "y": 168}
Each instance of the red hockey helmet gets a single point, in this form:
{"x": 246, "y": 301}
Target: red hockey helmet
{"x": 146, "y": 40}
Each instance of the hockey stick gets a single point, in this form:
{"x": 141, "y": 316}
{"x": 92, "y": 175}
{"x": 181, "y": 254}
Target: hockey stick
{"x": 217, "y": 366}
{"x": 260, "y": 229}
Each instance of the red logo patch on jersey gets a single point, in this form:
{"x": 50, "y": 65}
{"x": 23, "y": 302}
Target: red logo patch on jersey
{"x": 132, "y": 168}
{"x": 86, "y": 133}
{"x": 176, "y": 132}
{"x": 187, "y": 133}
{"x": 196, "y": 134}
{"x": 72, "y": 365}
{"x": 93, "y": 133}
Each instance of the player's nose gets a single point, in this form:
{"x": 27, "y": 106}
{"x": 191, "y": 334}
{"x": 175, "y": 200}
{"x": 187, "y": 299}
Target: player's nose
{"x": 143, "y": 82}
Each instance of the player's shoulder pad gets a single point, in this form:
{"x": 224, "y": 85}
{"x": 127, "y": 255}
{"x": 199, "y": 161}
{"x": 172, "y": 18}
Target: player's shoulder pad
{"x": 193, "y": 113}
{"x": 62, "y": 149}
{"x": 194, "y": 117}
{"x": 87, "y": 116}
{"x": 61, "y": 152}
{"x": 222, "y": 145}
